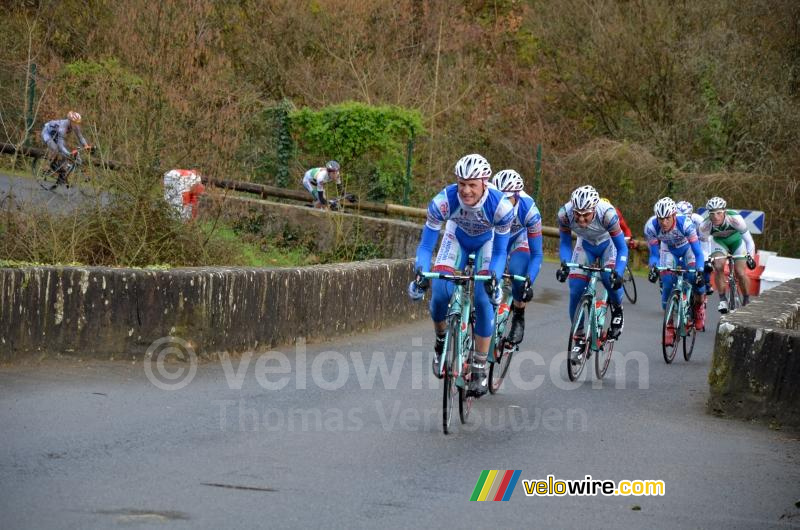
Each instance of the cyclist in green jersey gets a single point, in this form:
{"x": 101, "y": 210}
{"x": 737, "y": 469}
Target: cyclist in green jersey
{"x": 727, "y": 233}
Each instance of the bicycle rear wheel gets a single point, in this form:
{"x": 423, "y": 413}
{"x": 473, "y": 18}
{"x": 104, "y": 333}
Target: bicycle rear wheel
{"x": 450, "y": 370}
{"x": 672, "y": 318}
{"x": 45, "y": 177}
{"x": 629, "y": 285}
{"x": 580, "y": 330}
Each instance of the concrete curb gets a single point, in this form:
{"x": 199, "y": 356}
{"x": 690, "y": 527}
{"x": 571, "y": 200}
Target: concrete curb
{"x": 104, "y": 312}
{"x": 756, "y": 365}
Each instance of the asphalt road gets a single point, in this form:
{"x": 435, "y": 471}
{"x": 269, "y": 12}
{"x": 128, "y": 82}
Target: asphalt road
{"x": 99, "y": 445}
{"x": 25, "y": 191}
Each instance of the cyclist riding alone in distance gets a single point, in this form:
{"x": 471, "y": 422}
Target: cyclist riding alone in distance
{"x": 673, "y": 241}
{"x": 600, "y": 239}
{"x": 54, "y": 135}
{"x": 477, "y": 219}
{"x": 729, "y": 235}
{"x": 315, "y": 179}
{"x": 524, "y": 246}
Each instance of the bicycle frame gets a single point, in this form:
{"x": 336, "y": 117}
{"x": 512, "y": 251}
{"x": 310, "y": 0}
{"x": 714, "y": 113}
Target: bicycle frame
{"x": 599, "y": 307}
{"x": 684, "y": 290}
{"x": 460, "y": 308}
{"x": 733, "y": 285}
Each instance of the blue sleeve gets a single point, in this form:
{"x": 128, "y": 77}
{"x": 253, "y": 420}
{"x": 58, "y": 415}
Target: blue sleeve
{"x": 699, "y": 257}
{"x": 499, "y": 253}
{"x": 655, "y": 255}
{"x": 535, "y": 246}
{"x": 425, "y": 249}
{"x": 565, "y": 246}
{"x": 622, "y": 252}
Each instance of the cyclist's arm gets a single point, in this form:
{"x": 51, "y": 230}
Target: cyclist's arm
{"x": 564, "y": 237}
{"x": 749, "y": 243}
{"x": 623, "y": 225}
{"x": 611, "y": 222}
{"x": 537, "y": 255}
{"x": 699, "y": 256}
{"x": 503, "y": 218}
{"x": 62, "y": 148}
{"x": 425, "y": 249}
{"x": 622, "y": 252}
{"x": 653, "y": 244}
{"x": 321, "y": 196}
{"x": 79, "y": 134}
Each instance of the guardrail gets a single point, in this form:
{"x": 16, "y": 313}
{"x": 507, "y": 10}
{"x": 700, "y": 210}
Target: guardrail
{"x": 265, "y": 191}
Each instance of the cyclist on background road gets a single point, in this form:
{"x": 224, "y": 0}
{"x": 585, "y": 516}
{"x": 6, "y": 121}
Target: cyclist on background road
{"x": 524, "y": 246}
{"x": 600, "y": 239}
{"x": 673, "y": 241}
{"x": 477, "y": 220}
{"x": 54, "y": 135}
{"x": 315, "y": 178}
{"x": 729, "y": 235}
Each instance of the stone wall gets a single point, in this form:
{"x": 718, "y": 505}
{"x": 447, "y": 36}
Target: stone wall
{"x": 105, "y": 312}
{"x": 755, "y": 372}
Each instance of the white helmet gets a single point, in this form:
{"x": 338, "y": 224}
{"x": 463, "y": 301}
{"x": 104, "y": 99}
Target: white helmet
{"x": 716, "y": 203}
{"x": 473, "y": 167}
{"x": 665, "y": 207}
{"x": 73, "y": 116}
{"x": 585, "y": 198}
{"x": 508, "y": 181}
{"x": 685, "y": 207}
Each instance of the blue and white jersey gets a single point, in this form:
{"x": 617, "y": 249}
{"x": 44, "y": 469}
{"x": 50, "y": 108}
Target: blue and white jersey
{"x": 603, "y": 227}
{"x": 492, "y": 214}
{"x": 526, "y": 217}
{"x": 683, "y": 232}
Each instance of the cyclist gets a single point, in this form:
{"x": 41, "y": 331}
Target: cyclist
{"x": 54, "y": 135}
{"x": 315, "y": 178}
{"x": 686, "y": 208}
{"x": 600, "y": 238}
{"x": 524, "y": 246}
{"x": 477, "y": 219}
{"x": 729, "y": 235}
{"x": 673, "y": 240}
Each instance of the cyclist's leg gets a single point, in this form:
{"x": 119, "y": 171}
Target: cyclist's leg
{"x": 718, "y": 249}
{"x": 518, "y": 265}
{"x": 607, "y": 254}
{"x": 739, "y": 267}
{"x": 699, "y": 293}
{"x": 447, "y": 259}
{"x": 578, "y": 280}
{"x": 484, "y": 321}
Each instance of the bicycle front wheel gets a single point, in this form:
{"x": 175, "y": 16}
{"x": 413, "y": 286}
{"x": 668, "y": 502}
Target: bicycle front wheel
{"x": 45, "y": 177}
{"x": 503, "y": 351}
{"x": 450, "y": 359}
{"x": 580, "y": 337}
{"x": 671, "y": 329}
{"x": 690, "y": 333}
{"x": 734, "y": 298}
{"x": 629, "y": 285}
{"x": 602, "y": 357}
{"x": 465, "y": 400}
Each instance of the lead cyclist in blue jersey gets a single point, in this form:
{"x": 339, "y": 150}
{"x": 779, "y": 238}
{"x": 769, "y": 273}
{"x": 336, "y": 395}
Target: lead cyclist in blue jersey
{"x": 600, "y": 238}
{"x": 524, "y": 246}
{"x": 477, "y": 220}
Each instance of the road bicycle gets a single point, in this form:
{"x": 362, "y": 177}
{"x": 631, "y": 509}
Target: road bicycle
{"x": 679, "y": 315}
{"x": 337, "y": 204}
{"x": 588, "y": 334}
{"x": 46, "y": 172}
{"x": 734, "y": 294}
{"x": 456, "y": 363}
{"x": 500, "y": 348}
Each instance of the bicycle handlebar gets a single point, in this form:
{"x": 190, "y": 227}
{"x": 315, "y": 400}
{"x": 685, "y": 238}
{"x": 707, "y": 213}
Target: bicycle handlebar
{"x": 677, "y": 270}
{"x": 588, "y": 267}
{"x": 456, "y": 277}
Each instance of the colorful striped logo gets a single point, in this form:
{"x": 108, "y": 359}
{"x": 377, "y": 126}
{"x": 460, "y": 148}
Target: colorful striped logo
{"x": 495, "y": 485}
